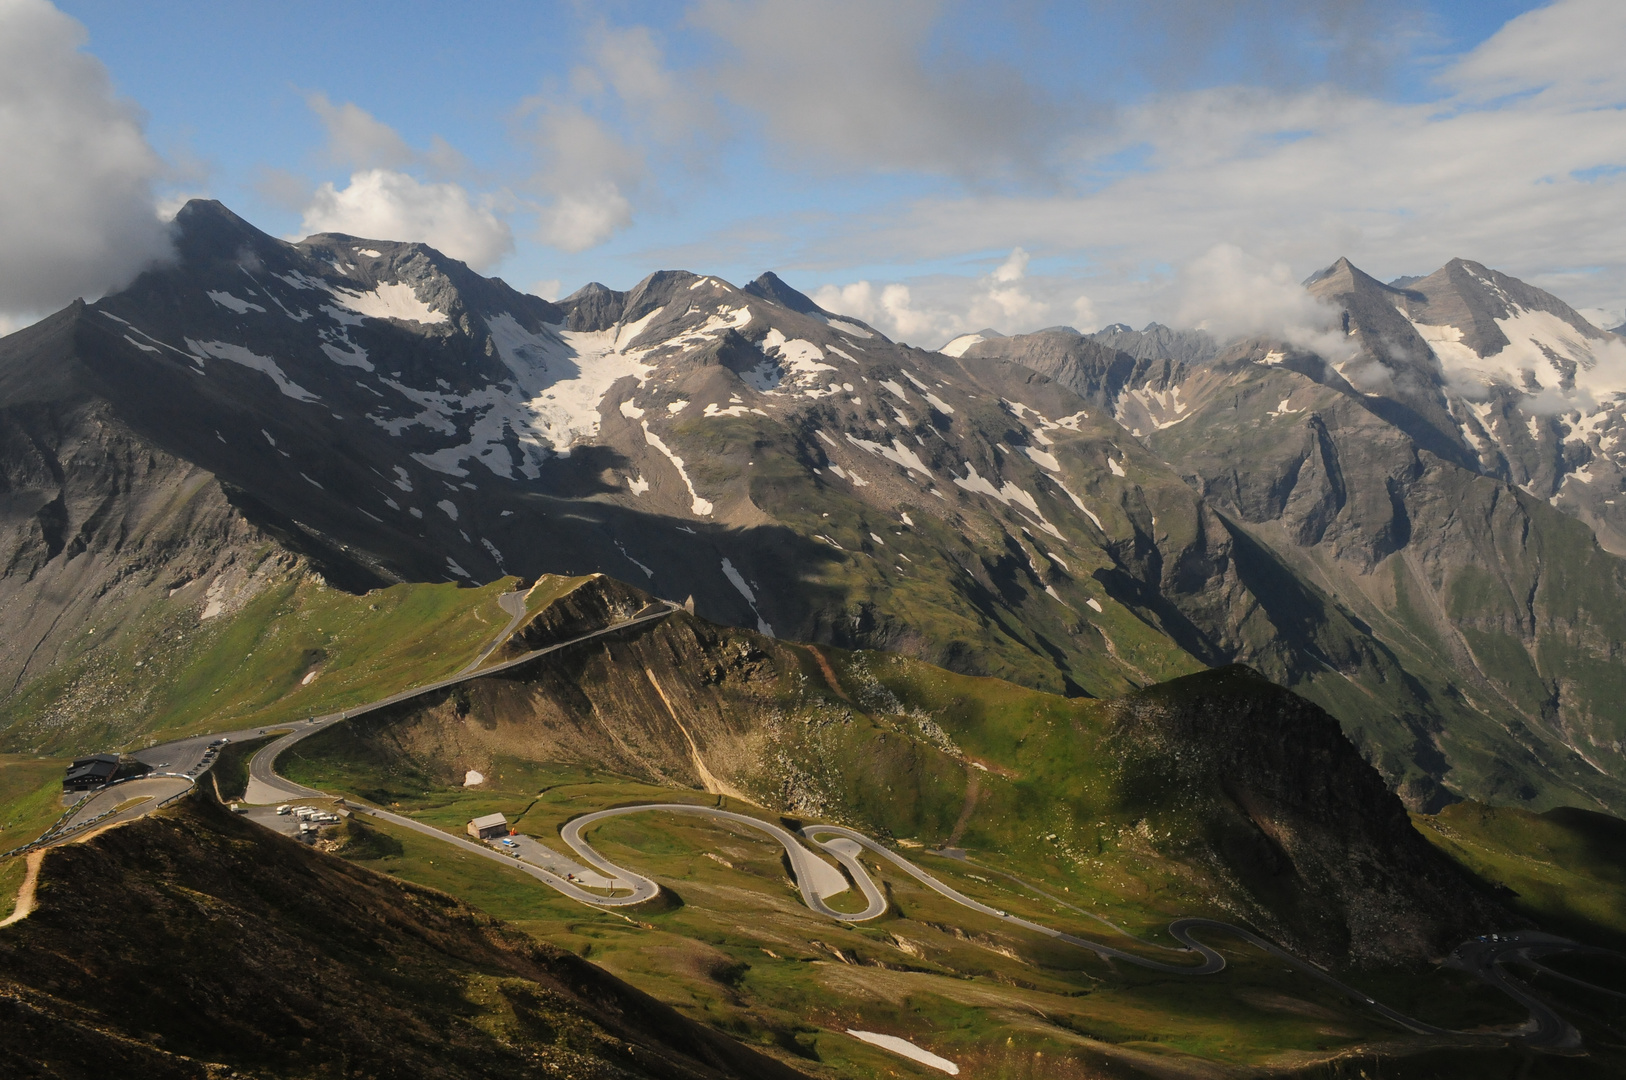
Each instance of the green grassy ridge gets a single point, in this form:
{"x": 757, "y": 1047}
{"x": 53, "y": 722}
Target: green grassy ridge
{"x": 169, "y": 675}
{"x": 1566, "y": 868}
{"x": 900, "y": 749}
{"x": 30, "y": 797}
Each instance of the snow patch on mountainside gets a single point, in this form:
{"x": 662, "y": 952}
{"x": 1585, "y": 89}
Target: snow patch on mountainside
{"x": 1043, "y": 459}
{"x": 561, "y": 379}
{"x": 736, "y": 579}
{"x": 396, "y": 300}
{"x": 232, "y": 303}
{"x": 700, "y": 507}
{"x": 1007, "y": 493}
{"x": 1545, "y": 356}
{"x": 850, "y": 329}
{"x": 237, "y": 354}
{"x": 897, "y": 453}
{"x": 959, "y": 345}
{"x": 789, "y": 360}
{"x": 341, "y": 350}
{"x": 715, "y": 326}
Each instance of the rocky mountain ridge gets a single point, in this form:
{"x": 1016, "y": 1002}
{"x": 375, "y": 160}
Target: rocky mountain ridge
{"x": 1028, "y": 509}
{"x": 1367, "y": 472}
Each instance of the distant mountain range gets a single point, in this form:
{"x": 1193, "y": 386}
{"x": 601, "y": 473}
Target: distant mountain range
{"x": 1417, "y": 525}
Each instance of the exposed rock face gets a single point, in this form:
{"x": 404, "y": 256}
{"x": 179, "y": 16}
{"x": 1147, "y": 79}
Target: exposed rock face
{"x": 195, "y": 944}
{"x": 1402, "y": 527}
{"x": 1159, "y": 342}
{"x": 97, "y": 523}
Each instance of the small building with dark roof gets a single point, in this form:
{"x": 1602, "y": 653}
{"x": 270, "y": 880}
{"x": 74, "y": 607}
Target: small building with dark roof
{"x": 90, "y": 772}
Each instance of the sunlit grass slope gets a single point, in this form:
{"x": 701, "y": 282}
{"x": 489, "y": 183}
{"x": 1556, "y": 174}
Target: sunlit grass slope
{"x": 299, "y": 648}
{"x": 1566, "y": 867}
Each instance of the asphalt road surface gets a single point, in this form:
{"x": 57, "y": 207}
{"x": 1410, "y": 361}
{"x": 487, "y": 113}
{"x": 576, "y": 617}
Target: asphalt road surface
{"x": 265, "y": 786}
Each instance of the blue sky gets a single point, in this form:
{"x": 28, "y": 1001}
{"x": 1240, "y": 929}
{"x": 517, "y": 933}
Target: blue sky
{"x": 929, "y": 165}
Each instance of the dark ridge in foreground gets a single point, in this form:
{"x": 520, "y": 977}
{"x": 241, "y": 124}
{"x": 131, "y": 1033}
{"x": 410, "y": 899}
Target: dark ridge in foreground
{"x": 194, "y": 944}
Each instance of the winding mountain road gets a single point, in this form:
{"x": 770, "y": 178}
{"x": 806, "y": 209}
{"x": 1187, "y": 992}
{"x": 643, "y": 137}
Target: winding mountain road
{"x": 265, "y": 786}
{"x": 816, "y": 879}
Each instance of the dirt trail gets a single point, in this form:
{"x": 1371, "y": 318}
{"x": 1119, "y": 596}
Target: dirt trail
{"x": 25, "y": 895}
{"x": 712, "y": 785}
{"x": 973, "y": 787}
{"x": 829, "y": 673}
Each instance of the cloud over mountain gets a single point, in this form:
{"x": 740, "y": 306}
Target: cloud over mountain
{"x": 77, "y": 212}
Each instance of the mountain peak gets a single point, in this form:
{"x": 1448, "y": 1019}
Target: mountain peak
{"x": 770, "y": 286}
{"x": 1341, "y": 277}
{"x": 593, "y": 307}
{"x": 1341, "y": 266}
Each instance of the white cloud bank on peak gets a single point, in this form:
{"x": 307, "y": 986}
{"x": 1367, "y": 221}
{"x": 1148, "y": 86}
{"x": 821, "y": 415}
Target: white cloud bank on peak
{"x": 1005, "y": 299}
{"x": 77, "y": 212}
{"x": 1519, "y": 165}
{"x": 1232, "y": 294}
{"x": 383, "y": 204}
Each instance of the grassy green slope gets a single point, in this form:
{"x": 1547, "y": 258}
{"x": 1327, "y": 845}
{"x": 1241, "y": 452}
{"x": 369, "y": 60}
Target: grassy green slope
{"x": 1565, "y": 868}
{"x": 1066, "y": 809}
{"x": 296, "y": 649}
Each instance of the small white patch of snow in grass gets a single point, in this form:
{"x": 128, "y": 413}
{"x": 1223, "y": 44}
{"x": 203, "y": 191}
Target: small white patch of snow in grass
{"x": 473, "y": 778}
{"x": 1043, "y": 459}
{"x": 905, "y": 1048}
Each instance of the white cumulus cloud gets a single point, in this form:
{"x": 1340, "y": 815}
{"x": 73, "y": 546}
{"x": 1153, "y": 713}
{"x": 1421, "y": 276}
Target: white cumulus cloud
{"x": 1232, "y": 294}
{"x": 1003, "y": 299}
{"x": 383, "y": 204}
{"x": 77, "y": 211}
{"x": 586, "y": 176}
